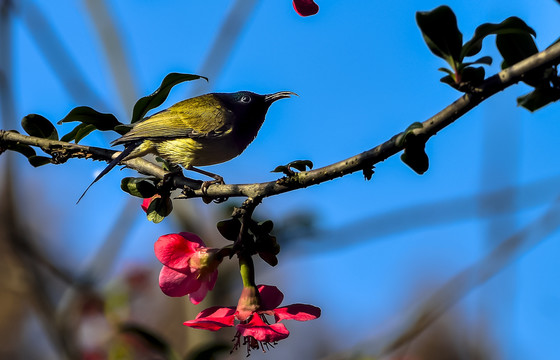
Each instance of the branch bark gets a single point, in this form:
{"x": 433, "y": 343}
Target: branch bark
{"x": 359, "y": 162}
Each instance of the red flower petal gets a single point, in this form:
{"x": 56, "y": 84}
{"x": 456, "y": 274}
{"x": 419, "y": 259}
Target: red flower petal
{"x": 175, "y": 250}
{"x": 205, "y": 286}
{"x": 145, "y": 204}
{"x": 175, "y": 283}
{"x": 299, "y": 312}
{"x": 271, "y": 297}
{"x": 216, "y": 312}
{"x": 261, "y": 331}
{"x": 213, "y": 318}
{"x": 212, "y": 324}
{"x": 305, "y": 7}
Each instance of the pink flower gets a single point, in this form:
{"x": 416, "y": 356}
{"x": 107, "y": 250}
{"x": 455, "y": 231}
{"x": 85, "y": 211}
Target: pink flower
{"x": 250, "y": 315}
{"x": 305, "y": 7}
{"x": 189, "y": 267}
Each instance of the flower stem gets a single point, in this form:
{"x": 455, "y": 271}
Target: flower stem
{"x": 247, "y": 270}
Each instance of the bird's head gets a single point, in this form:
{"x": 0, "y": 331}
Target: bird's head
{"x": 249, "y": 107}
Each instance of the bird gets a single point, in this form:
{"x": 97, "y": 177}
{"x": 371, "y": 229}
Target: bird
{"x": 204, "y": 130}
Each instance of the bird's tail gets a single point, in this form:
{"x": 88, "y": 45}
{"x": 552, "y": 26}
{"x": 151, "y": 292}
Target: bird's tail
{"x": 127, "y": 150}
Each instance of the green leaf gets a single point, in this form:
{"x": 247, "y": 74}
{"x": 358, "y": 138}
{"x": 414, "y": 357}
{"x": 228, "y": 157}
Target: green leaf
{"x": 511, "y": 25}
{"x": 416, "y": 158}
{"x": 403, "y": 139}
{"x": 229, "y": 228}
{"x": 39, "y": 126}
{"x": 123, "y": 128}
{"x": 37, "y": 161}
{"x": 87, "y": 115}
{"x": 139, "y": 187}
{"x": 23, "y": 149}
{"x": 158, "y": 209}
{"x": 538, "y": 98}
{"x": 78, "y": 133}
{"x": 265, "y": 227}
{"x": 267, "y": 248}
{"x": 83, "y": 132}
{"x": 447, "y": 71}
{"x": 72, "y": 134}
{"x": 414, "y": 155}
{"x": 485, "y": 60}
{"x": 517, "y": 47}
{"x": 439, "y": 30}
{"x": 283, "y": 169}
{"x": 157, "y": 98}
{"x": 473, "y": 76}
{"x": 449, "y": 80}
{"x": 301, "y": 165}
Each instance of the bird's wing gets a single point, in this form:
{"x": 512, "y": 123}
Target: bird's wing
{"x": 183, "y": 120}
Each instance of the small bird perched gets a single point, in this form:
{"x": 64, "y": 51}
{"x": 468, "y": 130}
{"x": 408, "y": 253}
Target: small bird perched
{"x": 204, "y": 130}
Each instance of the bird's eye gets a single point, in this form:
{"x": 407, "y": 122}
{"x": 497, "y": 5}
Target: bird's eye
{"x": 245, "y": 99}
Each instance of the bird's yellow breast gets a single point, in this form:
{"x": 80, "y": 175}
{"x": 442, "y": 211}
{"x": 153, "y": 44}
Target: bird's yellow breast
{"x": 193, "y": 152}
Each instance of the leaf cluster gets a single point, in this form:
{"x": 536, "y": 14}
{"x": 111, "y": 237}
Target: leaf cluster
{"x": 445, "y": 40}
{"x": 257, "y": 239}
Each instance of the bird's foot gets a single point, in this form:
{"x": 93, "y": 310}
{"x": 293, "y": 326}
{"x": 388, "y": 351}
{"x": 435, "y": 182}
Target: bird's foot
{"x": 204, "y": 188}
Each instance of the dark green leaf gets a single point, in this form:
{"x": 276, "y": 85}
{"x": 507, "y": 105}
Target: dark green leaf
{"x": 517, "y": 47}
{"x": 39, "y": 126}
{"x": 268, "y": 248}
{"x": 301, "y": 165}
{"x": 229, "y": 228}
{"x": 414, "y": 154}
{"x": 440, "y": 31}
{"x": 266, "y": 227}
{"x": 157, "y": 98}
{"x": 538, "y": 98}
{"x": 72, "y": 134}
{"x": 269, "y": 258}
{"x": 472, "y": 76}
{"x": 511, "y": 25}
{"x": 449, "y": 80}
{"x": 87, "y": 115}
{"x": 83, "y": 132}
{"x": 139, "y": 187}
{"x": 123, "y": 128}
{"x": 402, "y": 139}
{"x": 37, "y": 161}
{"x": 158, "y": 209}
{"x": 416, "y": 158}
{"x": 23, "y": 149}
{"x": 486, "y": 60}
{"x": 447, "y": 71}
{"x": 283, "y": 169}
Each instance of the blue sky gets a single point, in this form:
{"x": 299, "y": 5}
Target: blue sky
{"x": 363, "y": 74}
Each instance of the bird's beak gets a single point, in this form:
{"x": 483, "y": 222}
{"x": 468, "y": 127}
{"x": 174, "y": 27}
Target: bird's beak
{"x": 270, "y": 98}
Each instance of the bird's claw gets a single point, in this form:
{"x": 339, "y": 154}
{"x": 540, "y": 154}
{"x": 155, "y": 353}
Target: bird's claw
{"x": 204, "y": 188}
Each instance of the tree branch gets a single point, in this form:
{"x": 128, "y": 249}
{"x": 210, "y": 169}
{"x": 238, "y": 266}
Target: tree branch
{"x": 363, "y": 161}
